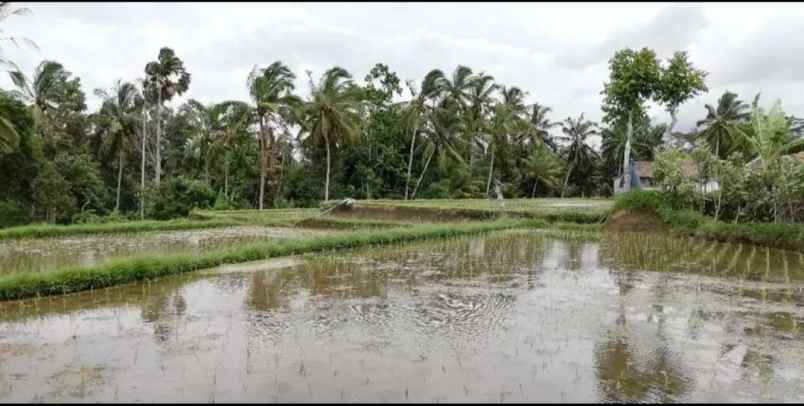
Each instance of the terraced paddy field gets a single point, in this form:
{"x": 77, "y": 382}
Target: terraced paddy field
{"x": 300, "y": 306}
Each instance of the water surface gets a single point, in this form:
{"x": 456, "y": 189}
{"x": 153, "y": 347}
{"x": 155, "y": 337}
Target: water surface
{"x": 512, "y": 317}
{"x": 47, "y": 254}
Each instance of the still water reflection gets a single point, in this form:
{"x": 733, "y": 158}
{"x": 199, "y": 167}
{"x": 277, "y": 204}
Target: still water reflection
{"x": 511, "y": 317}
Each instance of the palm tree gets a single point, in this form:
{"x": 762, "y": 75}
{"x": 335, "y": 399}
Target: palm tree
{"x": 8, "y": 134}
{"x": 332, "y": 114}
{"x": 166, "y": 78}
{"x": 271, "y": 89}
{"x": 119, "y": 122}
{"x": 414, "y": 112}
{"x": 5, "y": 12}
{"x": 578, "y": 153}
{"x": 44, "y": 91}
{"x": 201, "y": 118}
{"x": 444, "y": 126}
{"x": 541, "y": 126}
{"x": 228, "y": 119}
{"x": 721, "y": 125}
{"x": 480, "y": 91}
{"x": 543, "y": 167}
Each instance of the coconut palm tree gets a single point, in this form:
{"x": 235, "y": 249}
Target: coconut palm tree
{"x": 166, "y": 77}
{"x": 543, "y": 167}
{"x": 444, "y": 126}
{"x": 202, "y": 119}
{"x": 481, "y": 88}
{"x": 414, "y": 112}
{"x": 578, "y": 153}
{"x": 540, "y": 126}
{"x": 721, "y": 127}
{"x": 43, "y": 91}
{"x": 229, "y": 118}
{"x": 271, "y": 90}
{"x": 5, "y": 12}
{"x": 332, "y": 114}
{"x": 118, "y": 119}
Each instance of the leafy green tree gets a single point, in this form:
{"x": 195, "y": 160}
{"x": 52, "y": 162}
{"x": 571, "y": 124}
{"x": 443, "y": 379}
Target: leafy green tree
{"x": 332, "y": 114}
{"x": 271, "y": 90}
{"x": 680, "y": 81}
{"x": 165, "y": 78}
{"x": 52, "y": 193}
{"x": 578, "y": 153}
{"x": 634, "y": 78}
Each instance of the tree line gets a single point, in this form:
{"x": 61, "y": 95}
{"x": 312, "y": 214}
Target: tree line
{"x": 454, "y": 134}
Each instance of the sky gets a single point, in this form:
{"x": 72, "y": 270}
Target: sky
{"x": 558, "y": 53}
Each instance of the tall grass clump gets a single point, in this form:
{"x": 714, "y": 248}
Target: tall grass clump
{"x": 121, "y": 271}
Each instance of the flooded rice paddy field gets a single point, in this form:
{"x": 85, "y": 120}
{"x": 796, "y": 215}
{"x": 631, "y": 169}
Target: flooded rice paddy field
{"x": 510, "y": 316}
{"x": 47, "y": 254}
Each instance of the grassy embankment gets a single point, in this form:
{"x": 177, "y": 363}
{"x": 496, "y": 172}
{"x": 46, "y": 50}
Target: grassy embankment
{"x": 691, "y": 223}
{"x": 51, "y": 230}
{"x": 121, "y": 271}
{"x": 583, "y": 211}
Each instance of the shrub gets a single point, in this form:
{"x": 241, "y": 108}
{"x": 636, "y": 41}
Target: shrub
{"x": 177, "y": 197}
{"x": 13, "y": 213}
{"x": 642, "y": 200}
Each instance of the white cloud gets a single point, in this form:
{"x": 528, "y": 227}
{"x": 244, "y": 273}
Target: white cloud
{"x": 556, "y": 52}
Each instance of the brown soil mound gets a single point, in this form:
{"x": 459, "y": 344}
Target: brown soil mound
{"x": 635, "y": 220}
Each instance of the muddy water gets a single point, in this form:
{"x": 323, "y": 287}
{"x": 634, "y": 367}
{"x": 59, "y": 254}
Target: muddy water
{"x": 507, "y": 317}
{"x": 37, "y": 255}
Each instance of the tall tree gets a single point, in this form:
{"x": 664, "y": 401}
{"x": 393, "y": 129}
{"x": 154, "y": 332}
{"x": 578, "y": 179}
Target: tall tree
{"x": 634, "y": 77}
{"x": 6, "y": 11}
{"x": 166, "y": 77}
{"x": 271, "y": 90}
{"x": 680, "y": 82}
{"x": 578, "y": 153}
{"x": 332, "y": 114}
{"x": 414, "y": 112}
{"x": 543, "y": 167}
{"x": 541, "y": 126}
{"x": 118, "y": 121}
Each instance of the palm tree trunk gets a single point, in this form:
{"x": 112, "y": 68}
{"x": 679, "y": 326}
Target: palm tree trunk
{"x": 226, "y": 175}
{"x": 119, "y": 180}
{"x": 424, "y": 171}
{"x": 533, "y": 190}
{"x": 566, "y": 181}
{"x": 326, "y": 185}
{"x": 410, "y": 161}
{"x": 270, "y": 174}
{"x": 263, "y": 162}
{"x": 491, "y": 170}
{"x": 142, "y": 170}
{"x": 158, "y": 133}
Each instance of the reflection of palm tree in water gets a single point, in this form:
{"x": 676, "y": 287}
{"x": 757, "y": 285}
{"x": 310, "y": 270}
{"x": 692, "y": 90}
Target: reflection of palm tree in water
{"x": 163, "y": 310}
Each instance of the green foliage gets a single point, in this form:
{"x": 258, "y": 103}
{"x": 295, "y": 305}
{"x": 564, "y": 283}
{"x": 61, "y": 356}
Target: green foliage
{"x": 13, "y": 213}
{"x": 641, "y": 200}
{"x": 109, "y": 225}
{"x": 177, "y": 197}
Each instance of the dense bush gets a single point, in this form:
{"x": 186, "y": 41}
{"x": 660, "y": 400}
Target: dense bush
{"x": 177, "y": 197}
{"x": 13, "y": 213}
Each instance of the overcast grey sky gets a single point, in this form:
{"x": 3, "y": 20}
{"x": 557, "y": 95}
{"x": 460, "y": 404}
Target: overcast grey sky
{"x": 556, "y": 52}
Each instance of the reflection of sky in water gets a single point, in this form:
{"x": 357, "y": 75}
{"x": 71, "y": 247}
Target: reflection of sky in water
{"x": 510, "y": 317}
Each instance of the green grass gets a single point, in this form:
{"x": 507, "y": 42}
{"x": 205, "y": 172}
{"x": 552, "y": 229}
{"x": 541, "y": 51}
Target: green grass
{"x": 122, "y": 271}
{"x": 573, "y": 210}
{"x": 48, "y": 230}
{"x": 692, "y": 223}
